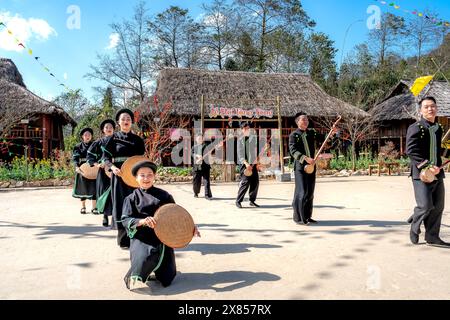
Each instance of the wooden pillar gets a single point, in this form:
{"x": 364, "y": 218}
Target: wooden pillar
{"x": 401, "y": 144}
{"x": 45, "y": 135}
{"x": 379, "y": 140}
{"x": 202, "y": 113}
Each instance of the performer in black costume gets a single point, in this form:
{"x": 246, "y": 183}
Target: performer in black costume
{"x": 103, "y": 182}
{"x": 83, "y": 188}
{"x": 302, "y": 149}
{"x": 118, "y": 148}
{"x": 201, "y": 169}
{"x": 423, "y": 147}
{"x": 247, "y": 155}
{"x": 147, "y": 253}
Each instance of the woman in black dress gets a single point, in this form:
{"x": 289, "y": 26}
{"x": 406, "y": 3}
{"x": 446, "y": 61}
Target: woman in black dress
{"x": 147, "y": 253}
{"x": 103, "y": 182}
{"x": 118, "y": 148}
{"x": 83, "y": 188}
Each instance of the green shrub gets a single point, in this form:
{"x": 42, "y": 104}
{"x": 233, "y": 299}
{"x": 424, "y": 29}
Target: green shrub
{"x": 35, "y": 170}
{"x": 174, "y": 171}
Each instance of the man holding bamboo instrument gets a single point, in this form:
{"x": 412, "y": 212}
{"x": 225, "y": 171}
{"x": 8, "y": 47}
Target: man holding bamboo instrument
{"x": 302, "y": 149}
{"x": 423, "y": 147}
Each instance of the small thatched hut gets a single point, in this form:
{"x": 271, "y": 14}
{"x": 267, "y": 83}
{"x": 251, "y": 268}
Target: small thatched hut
{"x": 27, "y": 120}
{"x": 399, "y": 109}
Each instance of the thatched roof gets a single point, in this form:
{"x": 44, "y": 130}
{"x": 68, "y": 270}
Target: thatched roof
{"x": 9, "y": 72}
{"x": 400, "y": 104}
{"x": 298, "y": 92}
{"x": 14, "y": 94}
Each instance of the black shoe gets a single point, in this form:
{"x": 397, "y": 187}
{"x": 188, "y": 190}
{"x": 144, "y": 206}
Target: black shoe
{"x": 95, "y": 211}
{"x": 105, "y": 221}
{"x": 195, "y": 195}
{"x": 253, "y": 204}
{"x": 208, "y": 198}
{"x": 410, "y": 220}
{"x": 83, "y": 211}
{"x": 438, "y": 243}
{"x": 310, "y": 220}
{"x": 414, "y": 237}
{"x": 239, "y": 205}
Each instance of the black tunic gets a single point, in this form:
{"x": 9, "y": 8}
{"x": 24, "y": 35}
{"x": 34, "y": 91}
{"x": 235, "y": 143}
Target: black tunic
{"x": 147, "y": 253}
{"x": 103, "y": 182}
{"x": 83, "y": 188}
{"x": 117, "y": 149}
{"x": 418, "y": 145}
{"x": 247, "y": 151}
{"x": 302, "y": 145}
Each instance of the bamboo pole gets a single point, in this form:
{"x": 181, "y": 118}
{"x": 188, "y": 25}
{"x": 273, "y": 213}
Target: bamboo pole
{"x": 280, "y": 128}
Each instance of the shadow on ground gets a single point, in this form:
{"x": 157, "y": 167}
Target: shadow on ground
{"x": 217, "y": 281}
{"x": 226, "y": 248}
{"x": 77, "y": 232}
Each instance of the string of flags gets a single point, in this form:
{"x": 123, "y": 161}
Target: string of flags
{"x": 36, "y": 58}
{"x": 434, "y": 20}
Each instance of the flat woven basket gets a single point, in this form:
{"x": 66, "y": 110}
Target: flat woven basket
{"x": 127, "y": 176}
{"x": 89, "y": 172}
{"x": 174, "y": 226}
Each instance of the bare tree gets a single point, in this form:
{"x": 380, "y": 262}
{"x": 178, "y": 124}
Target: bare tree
{"x": 423, "y": 35}
{"x": 129, "y": 68}
{"x": 355, "y": 127}
{"x": 221, "y": 23}
{"x": 176, "y": 38}
{"x": 157, "y": 120}
{"x": 386, "y": 37}
{"x": 75, "y": 104}
{"x": 268, "y": 16}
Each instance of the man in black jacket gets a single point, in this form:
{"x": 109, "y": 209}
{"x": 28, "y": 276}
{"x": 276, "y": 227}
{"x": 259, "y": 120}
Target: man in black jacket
{"x": 302, "y": 149}
{"x": 423, "y": 147}
{"x": 201, "y": 169}
{"x": 247, "y": 156}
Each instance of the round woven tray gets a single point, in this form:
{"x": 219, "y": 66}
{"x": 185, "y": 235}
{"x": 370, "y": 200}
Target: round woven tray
{"x": 127, "y": 176}
{"x": 89, "y": 172}
{"x": 174, "y": 226}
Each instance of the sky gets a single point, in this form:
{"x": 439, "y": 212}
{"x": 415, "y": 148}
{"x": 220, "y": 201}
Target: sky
{"x": 67, "y": 35}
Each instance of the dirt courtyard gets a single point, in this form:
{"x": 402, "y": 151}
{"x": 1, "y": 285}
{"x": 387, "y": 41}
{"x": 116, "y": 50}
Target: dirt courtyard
{"x": 359, "y": 250}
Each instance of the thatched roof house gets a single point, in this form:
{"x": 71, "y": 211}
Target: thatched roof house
{"x": 238, "y": 92}
{"x": 298, "y": 92}
{"x": 399, "y": 109}
{"x": 44, "y": 130}
{"x": 14, "y": 94}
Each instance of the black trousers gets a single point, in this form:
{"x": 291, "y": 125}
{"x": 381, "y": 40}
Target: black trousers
{"x": 119, "y": 191}
{"x": 199, "y": 175}
{"x": 303, "y": 195}
{"x": 144, "y": 259}
{"x": 247, "y": 183}
{"x": 430, "y": 199}
{"x": 168, "y": 269}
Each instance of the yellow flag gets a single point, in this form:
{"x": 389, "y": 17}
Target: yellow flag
{"x": 420, "y": 84}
